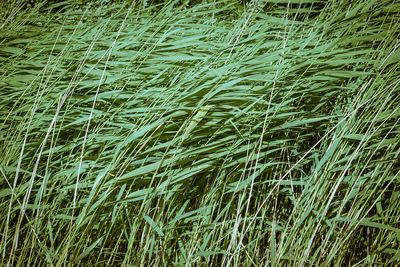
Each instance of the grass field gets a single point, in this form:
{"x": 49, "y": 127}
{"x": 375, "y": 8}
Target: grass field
{"x": 215, "y": 133}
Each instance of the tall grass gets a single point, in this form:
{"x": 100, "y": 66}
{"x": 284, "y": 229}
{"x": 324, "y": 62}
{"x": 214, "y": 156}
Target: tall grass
{"x": 220, "y": 133}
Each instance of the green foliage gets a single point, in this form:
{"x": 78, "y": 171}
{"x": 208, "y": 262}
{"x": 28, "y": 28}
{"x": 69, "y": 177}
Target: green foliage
{"x": 210, "y": 133}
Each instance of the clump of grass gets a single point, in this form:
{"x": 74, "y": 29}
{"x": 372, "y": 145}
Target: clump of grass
{"x": 219, "y": 133}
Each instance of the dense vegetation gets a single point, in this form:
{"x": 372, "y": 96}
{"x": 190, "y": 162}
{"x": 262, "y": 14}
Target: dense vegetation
{"x": 173, "y": 133}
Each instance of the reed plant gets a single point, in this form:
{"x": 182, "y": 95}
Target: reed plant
{"x": 207, "y": 133}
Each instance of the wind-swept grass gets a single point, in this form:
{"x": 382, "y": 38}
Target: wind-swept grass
{"x": 219, "y": 133}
